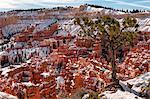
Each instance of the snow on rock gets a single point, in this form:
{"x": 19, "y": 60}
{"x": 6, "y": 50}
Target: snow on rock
{"x": 3, "y": 53}
{"x": 146, "y": 28}
{"x": 13, "y": 28}
{"x": 120, "y": 95}
{"x": 45, "y": 74}
{"x": 5, "y": 71}
{"x": 8, "y": 69}
{"x": 45, "y": 24}
{"x": 133, "y": 93}
{"x": 138, "y": 82}
{"x": 144, "y": 24}
{"x": 68, "y": 25}
{"x": 19, "y": 44}
{"x": 86, "y": 96}
{"x": 94, "y": 9}
{"x": 106, "y": 11}
{"x": 27, "y": 13}
{"x": 28, "y": 84}
{"x": 62, "y": 33}
{"x": 6, "y": 96}
{"x": 60, "y": 81}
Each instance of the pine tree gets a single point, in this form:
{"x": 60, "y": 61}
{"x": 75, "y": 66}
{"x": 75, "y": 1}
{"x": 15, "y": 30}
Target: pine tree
{"x": 113, "y": 37}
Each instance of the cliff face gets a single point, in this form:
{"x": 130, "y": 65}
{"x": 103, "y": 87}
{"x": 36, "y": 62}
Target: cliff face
{"x": 4, "y": 21}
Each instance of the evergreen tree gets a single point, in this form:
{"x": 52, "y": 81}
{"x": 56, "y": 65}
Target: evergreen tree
{"x": 113, "y": 37}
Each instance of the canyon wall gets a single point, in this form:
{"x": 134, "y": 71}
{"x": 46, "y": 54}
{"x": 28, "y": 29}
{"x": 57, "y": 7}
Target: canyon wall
{"x": 4, "y": 21}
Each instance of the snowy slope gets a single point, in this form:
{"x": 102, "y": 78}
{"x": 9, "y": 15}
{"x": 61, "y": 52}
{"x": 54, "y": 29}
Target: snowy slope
{"x": 138, "y": 83}
{"x": 120, "y": 95}
{"x": 13, "y": 28}
{"x": 6, "y": 96}
{"x": 106, "y": 11}
{"x": 144, "y": 24}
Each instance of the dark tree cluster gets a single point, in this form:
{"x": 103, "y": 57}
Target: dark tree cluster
{"x": 136, "y": 11}
{"x": 21, "y": 10}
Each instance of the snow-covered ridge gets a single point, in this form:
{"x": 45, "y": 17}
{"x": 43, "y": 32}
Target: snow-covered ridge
{"x": 12, "y": 29}
{"x": 103, "y": 10}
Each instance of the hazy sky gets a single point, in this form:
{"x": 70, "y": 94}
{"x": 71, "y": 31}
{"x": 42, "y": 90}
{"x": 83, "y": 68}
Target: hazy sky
{"x": 27, "y": 4}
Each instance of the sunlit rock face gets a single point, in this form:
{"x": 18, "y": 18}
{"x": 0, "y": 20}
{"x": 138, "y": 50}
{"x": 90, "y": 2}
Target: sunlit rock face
{"x": 4, "y": 21}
